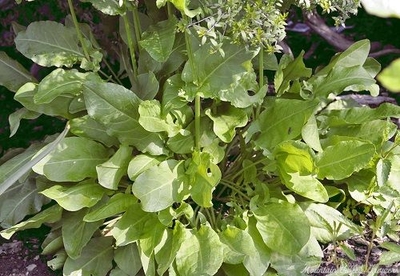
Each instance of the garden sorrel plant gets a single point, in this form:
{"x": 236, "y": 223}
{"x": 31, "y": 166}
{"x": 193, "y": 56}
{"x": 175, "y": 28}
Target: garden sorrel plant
{"x": 179, "y": 162}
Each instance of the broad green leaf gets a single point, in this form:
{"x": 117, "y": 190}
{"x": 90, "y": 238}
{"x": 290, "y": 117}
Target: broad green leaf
{"x": 49, "y": 215}
{"x": 389, "y": 77}
{"x": 117, "y": 204}
{"x": 159, "y": 39}
{"x": 20, "y": 200}
{"x": 238, "y": 244}
{"x": 152, "y": 120}
{"x": 152, "y": 239}
{"x": 96, "y": 259}
{"x": 75, "y": 197}
{"x": 60, "y": 82}
{"x": 110, "y": 172}
{"x": 344, "y": 158}
{"x": 12, "y": 74}
{"x": 15, "y": 118}
{"x": 226, "y": 120}
{"x": 76, "y": 233}
{"x": 204, "y": 176}
{"x": 308, "y": 186}
{"x": 166, "y": 253}
{"x": 282, "y": 120}
{"x": 148, "y": 263}
{"x": 146, "y": 87}
{"x": 134, "y": 224}
{"x": 310, "y": 134}
{"x": 181, "y": 143}
{"x": 375, "y": 131}
{"x": 360, "y": 183}
{"x": 213, "y": 74}
{"x": 74, "y": 159}
{"x": 283, "y": 227}
{"x": 181, "y": 5}
{"x": 118, "y": 112}
{"x": 294, "y": 70}
{"x": 49, "y": 43}
{"x": 258, "y": 263}
{"x": 128, "y": 259}
{"x": 141, "y": 163}
{"x": 89, "y": 128}
{"x": 201, "y": 253}
{"x": 383, "y": 171}
{"x": 158, "y": 187}
{"x": 323, "y": 220}
{"x": 110, "y": 7}
{"x": 172, "y": 97}
{"x": 359, "y": 115}
{"x": 58, "y": 107}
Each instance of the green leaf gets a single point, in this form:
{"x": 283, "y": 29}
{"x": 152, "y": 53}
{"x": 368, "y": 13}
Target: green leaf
{"x": 110, "y": 172}
{"x": 117, "y": 204}
{"x": 96, "y": 259}
{"x": 389, "y": 77}
{"x": 226, "y": 120}
{"x": 213, "y": 74}
{"x": 76, "y": 233}
{"x": 282, "y": 120}
{"x": 201, "y": 253}
{"x": 110, "y": 7}
{"x": 74, "y": 159}
{"x": 141, "y": 163}
{"x": 15, "y": 118}
{"x": 20, "y": 200}
{"x": 166, "y": 253}
{"x": 310, "y": 134}
{"x": 181, "y": 143}
{"x": 383, "y": 168}
{"x": 75, "y": 197}
{"x": 60, "y": 82}
{"x": 360, "y": 183}
{"x": 158, "y": 187}
{"x": 204, "y": 176}
{"x": 283, "y": 227}
{"x": 50, "y": 215}
{"x": 159, "y": 39}
{"x": 181, "y": 5}
{"x": 146, "y": 87}
{"x": 294, "y": 70}
{"x": 118, "y": 112}
{"x": 89, "y": 128}
{"x": 344, "y": 158}
{"x": 49, "y": 43}
{"x": 12, "y": 74}
{"x": 151, "y": 119}
{"x": 58, "y": 107}
{"x": 323, "y": 220}
{"x": 128, "y": 259}
{"x": 135, "y": 224}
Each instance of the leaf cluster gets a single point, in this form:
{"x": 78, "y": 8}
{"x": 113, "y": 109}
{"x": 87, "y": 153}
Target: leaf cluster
{"x": 191, "y": 168}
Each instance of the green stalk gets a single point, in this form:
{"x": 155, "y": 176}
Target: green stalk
{"x": 260, "y": 75}
{"x": 136, "y": 24}
{"x": 78, "y": 31}
{"x": 131, "y": 46}
{"x": 197, "y": 100}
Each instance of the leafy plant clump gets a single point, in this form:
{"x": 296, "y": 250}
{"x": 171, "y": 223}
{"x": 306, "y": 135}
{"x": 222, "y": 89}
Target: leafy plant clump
{"x": 180, "y": 161}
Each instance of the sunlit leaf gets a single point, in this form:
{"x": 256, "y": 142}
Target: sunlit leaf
{"x": 344, "y": 158}
{"x": 390, "y": 76}
{"x": 200, "y": 253}
{"x": 283, "y": 227}
{"x": 75, "y": 197}
{"x": 110, "y": 7}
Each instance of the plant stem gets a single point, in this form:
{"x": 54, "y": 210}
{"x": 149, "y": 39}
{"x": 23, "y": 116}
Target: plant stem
{"x": 197, "y": 100}
{"x": 131, "y": 46}
{"x": 78, "y": 31}
{"x": 136, "y": 24}
{"x": 260, "y": 76}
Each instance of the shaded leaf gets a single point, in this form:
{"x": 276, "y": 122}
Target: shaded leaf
{"x": 110, "y": 172}
{"x": 96, "y": 259}
{"x": 15, "y": 118}
{"x": 128, "y": 259}
{"x": 12, "y": 74}
{"x": 147, "y": 86}
{"x": 383, "y": 171}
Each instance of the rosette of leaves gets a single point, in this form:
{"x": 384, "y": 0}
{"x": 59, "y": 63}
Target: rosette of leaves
{"x": 191, "y": 169}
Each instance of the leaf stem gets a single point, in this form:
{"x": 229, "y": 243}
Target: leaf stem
{"x": 260, "y": 75}
{"x": 131, "y": 47}
{"x": 78, "y": 31}
{"x": 137, "y": 26}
